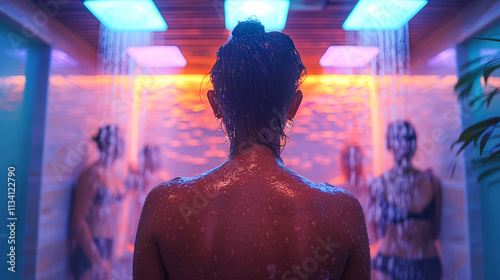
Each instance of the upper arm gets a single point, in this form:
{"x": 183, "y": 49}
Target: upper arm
{"x": 82, "y": 199}
{"x": 148, "y": 262}
{"x": 358, "y": 262}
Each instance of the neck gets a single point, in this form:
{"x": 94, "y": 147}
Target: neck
{"x": 403, "y": 165}
{"x": 252, "y": 153}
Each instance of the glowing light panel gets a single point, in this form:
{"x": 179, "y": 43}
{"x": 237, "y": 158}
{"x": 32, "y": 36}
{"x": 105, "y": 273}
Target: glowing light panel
{"x": 348, "y": 56}
{"x": 382, "y": 15}
{"x": 272, "y": 14}
{"x": 139, "y": 15}
{"x": 444, "y": 58}
{"x": 157, "y": 56}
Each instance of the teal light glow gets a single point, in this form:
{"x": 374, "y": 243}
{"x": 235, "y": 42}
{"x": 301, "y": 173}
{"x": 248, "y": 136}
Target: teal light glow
{"x": 272, "y": 14}
{"x": 139, "y": 15}
{"x": 382, "y": 15}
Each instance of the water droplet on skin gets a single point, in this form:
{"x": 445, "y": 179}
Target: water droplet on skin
{"x": 286, "y": 240}
{"x": 202, "y": 230}
{"x": 276, "y": 223}
{"x": 314, "y": 224}
{"x": 296, "y": 228}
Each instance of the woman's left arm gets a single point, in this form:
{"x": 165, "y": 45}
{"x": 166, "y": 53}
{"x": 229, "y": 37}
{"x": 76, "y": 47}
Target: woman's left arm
{"x": 147, "y": 262}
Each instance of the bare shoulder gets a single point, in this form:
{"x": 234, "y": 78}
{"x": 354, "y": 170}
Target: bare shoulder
{"x": 339, "y": 199}
{"x": 340, "y": 194}
{"x": 165, "y": 191}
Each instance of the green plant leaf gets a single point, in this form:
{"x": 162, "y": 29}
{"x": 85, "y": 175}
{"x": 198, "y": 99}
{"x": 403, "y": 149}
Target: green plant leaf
{"x": 494, "y": 183}
{"x": 474, "y": 132}
{"x": 466, "y": 82}
{"x": 494, "y": 152}
{"x": 482, "y": 175}
{"x": 486, "y": 135}
{"x": 486, "y": 39}
{"x": 490, "y": 96}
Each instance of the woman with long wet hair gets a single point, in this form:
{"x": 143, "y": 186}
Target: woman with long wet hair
{"x": 251, "y": 217}
{"x": 95, "y": 209}
{"x": 405, "y": 214}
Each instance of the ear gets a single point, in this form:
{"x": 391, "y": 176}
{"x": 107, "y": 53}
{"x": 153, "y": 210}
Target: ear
{"x": 295, "y": 105}
{"x": 215, "y": 105}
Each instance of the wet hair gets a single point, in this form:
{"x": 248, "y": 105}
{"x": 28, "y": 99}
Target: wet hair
{"x": 103, "y": 136}
{"x": 396, "y": 128}
{"x": 255, "y": 77}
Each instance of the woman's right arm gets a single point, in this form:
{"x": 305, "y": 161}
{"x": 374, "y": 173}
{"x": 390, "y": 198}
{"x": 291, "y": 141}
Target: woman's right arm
{"x": 81, "y": 205}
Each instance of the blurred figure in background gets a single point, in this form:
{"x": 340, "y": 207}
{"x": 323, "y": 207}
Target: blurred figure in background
{"x": 352, "y": 177}
{"x": 139, "y": 182}
{"x": 95, "y": 206}
{"x": 405, "y": 214}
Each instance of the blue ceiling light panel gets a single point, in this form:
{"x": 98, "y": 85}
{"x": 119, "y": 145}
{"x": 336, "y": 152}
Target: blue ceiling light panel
{"x": 382, "y": 15}
{"x": 124, "y": 15}
{"x": 272, "y": 13}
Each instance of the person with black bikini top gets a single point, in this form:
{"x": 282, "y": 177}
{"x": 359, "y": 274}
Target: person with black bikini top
{"x": 404, "y": 214}
{"x": 95, "y": 211}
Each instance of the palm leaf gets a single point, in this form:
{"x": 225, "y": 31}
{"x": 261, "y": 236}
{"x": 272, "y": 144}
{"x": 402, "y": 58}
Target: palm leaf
{"x": 490, "y": 171}
{"x": 486, "y": 39}
{"x": 466, "y": 82}
{"x": 474, "y": 132}
{"x": 494, "y": 152}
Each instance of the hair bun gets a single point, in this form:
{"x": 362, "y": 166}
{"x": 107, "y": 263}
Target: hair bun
{"x": 248, "y": 27}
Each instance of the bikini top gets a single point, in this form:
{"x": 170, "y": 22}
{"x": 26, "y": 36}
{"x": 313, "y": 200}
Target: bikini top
{"x": 392, "y": 214}
{"x": 104, "y": 195}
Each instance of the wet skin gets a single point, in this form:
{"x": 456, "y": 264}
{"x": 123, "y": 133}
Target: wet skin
{"x": 251, "y": 218}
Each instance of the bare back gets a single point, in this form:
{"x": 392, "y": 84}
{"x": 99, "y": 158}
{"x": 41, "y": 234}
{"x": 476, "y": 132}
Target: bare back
{"x": 251, "y": 223}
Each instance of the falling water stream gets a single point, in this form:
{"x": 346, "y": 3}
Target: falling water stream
{"x": 121, "y": 105}
{"x": 398, "y": 187}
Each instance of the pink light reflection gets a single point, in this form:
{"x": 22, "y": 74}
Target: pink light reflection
{"x": 348, "y": 56}
{"x": 157, "y": 56}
